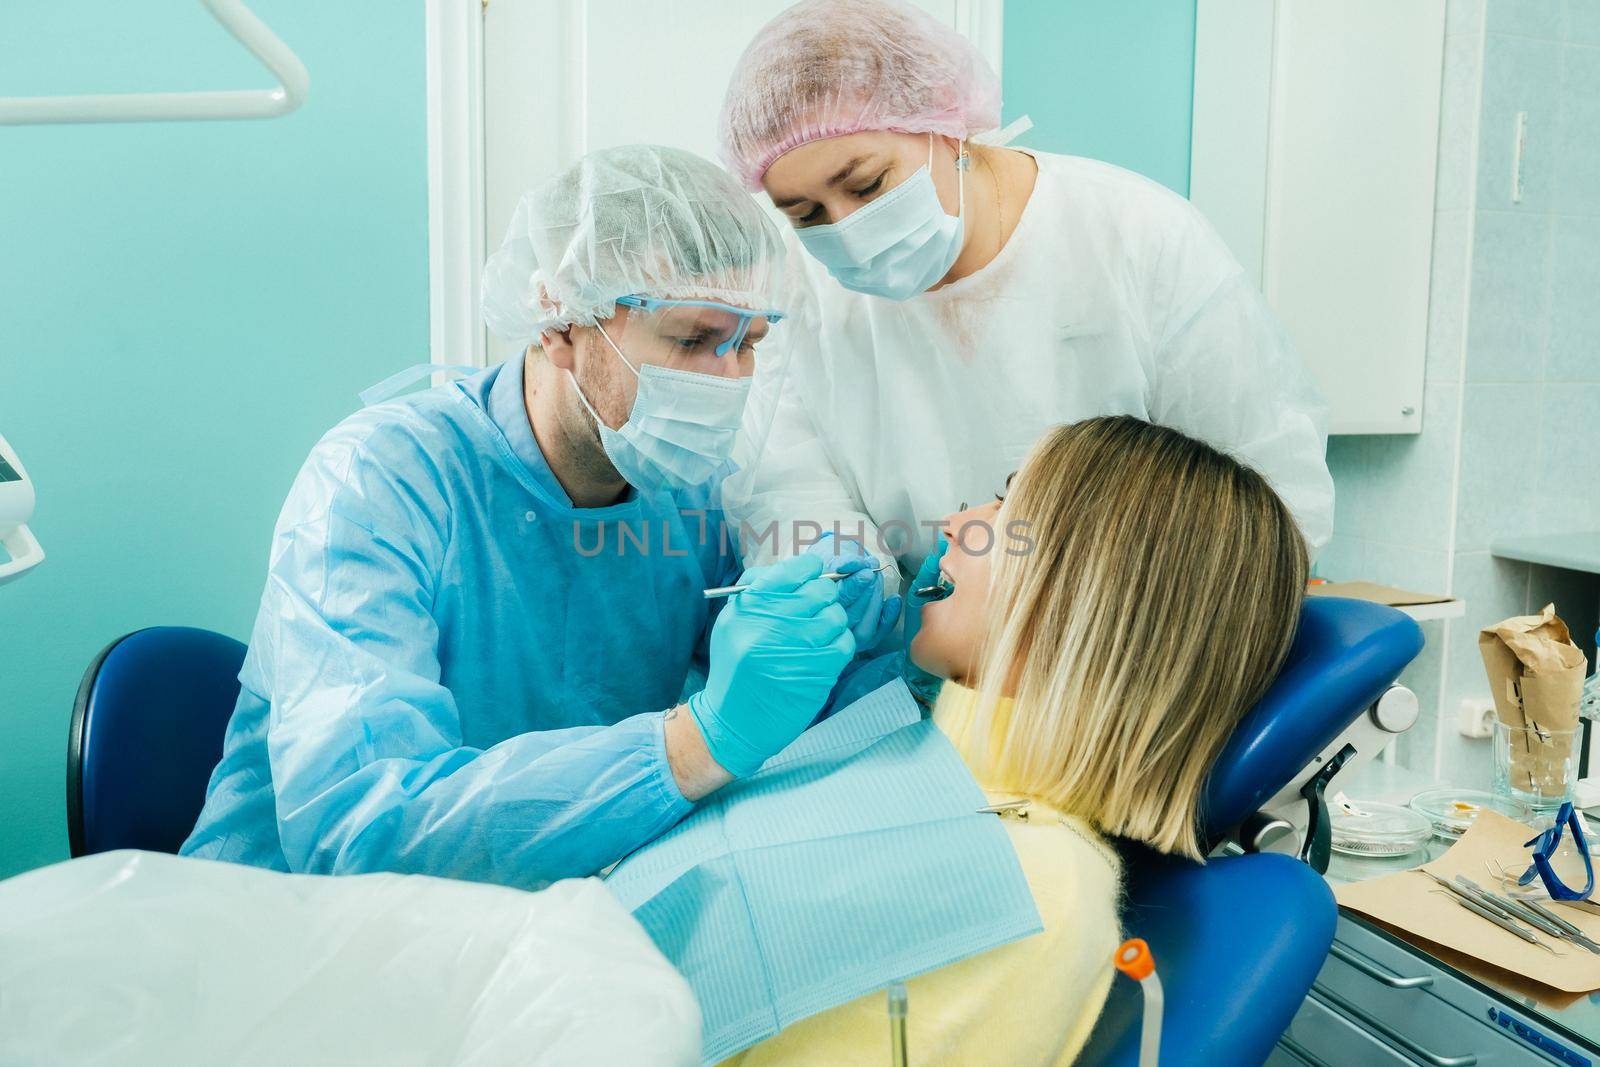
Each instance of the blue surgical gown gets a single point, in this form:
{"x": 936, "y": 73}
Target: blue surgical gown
{"x": 454, "y": 671}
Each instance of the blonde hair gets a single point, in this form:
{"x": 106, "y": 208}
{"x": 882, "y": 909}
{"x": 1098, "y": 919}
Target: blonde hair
{"x": 1155, "y": 605}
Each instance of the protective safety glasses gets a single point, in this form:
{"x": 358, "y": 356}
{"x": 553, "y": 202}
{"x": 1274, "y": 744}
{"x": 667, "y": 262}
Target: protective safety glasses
{"x": 692, "y": 326}
{"x": 1545, "y": 847}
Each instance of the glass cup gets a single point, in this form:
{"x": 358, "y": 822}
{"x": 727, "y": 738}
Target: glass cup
{"x": 1536, "y": 766}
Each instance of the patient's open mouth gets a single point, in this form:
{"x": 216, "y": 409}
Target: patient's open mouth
{"x": 938, "y": 591}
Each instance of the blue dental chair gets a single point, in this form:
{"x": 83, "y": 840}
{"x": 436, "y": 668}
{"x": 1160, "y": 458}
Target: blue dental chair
{"x": 146, "y": 732}
{"x": 1236, "y": 942}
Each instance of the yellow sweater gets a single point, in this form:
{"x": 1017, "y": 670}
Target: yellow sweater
{"x": 1032, "y": 1002}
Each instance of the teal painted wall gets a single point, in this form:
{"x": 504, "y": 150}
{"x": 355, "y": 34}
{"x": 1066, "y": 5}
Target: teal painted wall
{"x": 184, "y": 309}
{"x": 1110, "y": 79}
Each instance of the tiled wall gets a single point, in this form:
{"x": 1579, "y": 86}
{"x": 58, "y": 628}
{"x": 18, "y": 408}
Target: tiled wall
{"x": 1511, "y": 418}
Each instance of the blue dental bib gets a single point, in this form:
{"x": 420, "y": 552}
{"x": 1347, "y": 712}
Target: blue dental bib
{"x": 853, "y": 859}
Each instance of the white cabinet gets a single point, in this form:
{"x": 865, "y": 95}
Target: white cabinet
{"x": 1315, "y": 139}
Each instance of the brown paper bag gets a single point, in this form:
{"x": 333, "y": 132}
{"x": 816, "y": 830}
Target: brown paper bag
{"x": 1536, "y": 676}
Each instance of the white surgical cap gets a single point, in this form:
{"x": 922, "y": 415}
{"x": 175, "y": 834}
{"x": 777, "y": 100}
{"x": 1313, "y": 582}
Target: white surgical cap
{"x": 825, "y": 68}
{"x": 635, "y": 220}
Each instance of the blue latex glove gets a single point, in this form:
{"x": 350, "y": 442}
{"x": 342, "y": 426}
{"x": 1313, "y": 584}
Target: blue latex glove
{"x": 927, "y": 574}
{"x": 923, "y": 685}
{"x": 863, "y": 676}
{"x": 776, "y": 651}
{"x": 871, "y": 616}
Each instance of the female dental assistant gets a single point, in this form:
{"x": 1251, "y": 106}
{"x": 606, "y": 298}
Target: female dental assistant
{"x": 951, "y": 300}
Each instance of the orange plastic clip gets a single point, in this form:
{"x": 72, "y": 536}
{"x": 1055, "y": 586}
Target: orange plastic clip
{"x": 1134, "y": 960}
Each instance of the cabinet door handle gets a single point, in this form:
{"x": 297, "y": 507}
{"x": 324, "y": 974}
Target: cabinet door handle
{"x": 1393, "y": 981}
{"x": 1335, "y": 1002}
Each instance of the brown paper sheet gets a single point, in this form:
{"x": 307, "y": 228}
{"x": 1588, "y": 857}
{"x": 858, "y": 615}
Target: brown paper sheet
{"x": 1415, "y": 904}
{"x": 1378, "y": 594}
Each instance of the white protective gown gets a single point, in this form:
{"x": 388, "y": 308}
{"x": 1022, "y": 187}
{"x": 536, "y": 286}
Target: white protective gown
{"x": 1112, "y": 296}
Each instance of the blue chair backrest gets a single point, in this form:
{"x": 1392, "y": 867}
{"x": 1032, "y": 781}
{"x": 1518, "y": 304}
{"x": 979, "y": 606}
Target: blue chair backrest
{"x": 1239, "y": 941}
{"x": 1345, "y": 654}
{"x": 147, "y": 731}
{"x": 1237, "y": 944}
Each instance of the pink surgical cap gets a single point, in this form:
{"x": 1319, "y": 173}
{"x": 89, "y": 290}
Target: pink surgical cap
{"x": 825, "y": 68}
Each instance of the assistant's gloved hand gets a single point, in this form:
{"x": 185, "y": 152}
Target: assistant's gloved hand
{"x": 776, "y": 651}
{"x": 870, "y": 615}
{"x": 923, "y": 685}
{"x": 927, "y": 574}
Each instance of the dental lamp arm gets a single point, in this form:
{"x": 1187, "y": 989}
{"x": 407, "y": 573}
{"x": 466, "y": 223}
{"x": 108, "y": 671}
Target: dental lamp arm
{"x": 293, "y": 85}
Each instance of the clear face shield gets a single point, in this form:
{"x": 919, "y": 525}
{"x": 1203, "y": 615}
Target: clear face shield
{"x": 686, "y": 334}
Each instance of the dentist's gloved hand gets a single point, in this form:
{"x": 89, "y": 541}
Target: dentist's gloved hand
{"x": 776, "y": 651}
{"x": 871, "y": 616}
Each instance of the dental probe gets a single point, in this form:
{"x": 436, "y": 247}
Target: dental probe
{"x": 730, "y": 590}
{"x": 1464, "y": 898}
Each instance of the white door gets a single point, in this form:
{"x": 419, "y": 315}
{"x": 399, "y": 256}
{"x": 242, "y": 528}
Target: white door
{"x": 565, "y": 77}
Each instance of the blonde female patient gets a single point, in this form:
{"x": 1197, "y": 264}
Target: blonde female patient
{"x": 1093, "y": 675}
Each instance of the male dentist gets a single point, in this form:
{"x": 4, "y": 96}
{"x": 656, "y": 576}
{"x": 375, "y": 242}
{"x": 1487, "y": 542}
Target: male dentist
{"x": 483, "y": 599}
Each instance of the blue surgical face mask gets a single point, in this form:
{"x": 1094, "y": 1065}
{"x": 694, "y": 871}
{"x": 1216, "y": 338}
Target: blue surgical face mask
{"x": 681, "y": 428}
{"x": 896, "y": 246}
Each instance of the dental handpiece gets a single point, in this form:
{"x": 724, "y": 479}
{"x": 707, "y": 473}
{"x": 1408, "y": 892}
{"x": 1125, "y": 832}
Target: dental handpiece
{"x": 730, "y": 590}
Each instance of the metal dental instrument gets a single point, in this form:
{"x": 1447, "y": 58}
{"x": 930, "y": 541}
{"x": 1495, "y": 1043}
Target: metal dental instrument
{"x": 1582, "y": 940}
{"x": 1550, "y": 916}
{"x": 1588, "y": 907}
{"x": 1466, "y": 900}
{"x": 1505, "y": 924}
{"x": 1495, "y": 903}
{"x": 1511, "y": 909}
{"x": 940, "y": 589}
{"x": 1477, "y": 896}
{"x": 730, "y": 590}
{"x": 1537, "y": 915}
{"x": 1015, "y": 808}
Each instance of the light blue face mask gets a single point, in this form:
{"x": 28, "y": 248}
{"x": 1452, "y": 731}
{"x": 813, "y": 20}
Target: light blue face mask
{"x": 680, "y": 430}
{"x": 899, "y": 244}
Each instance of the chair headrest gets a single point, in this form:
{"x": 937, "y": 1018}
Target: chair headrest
{"x": 1345, "y": 654}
